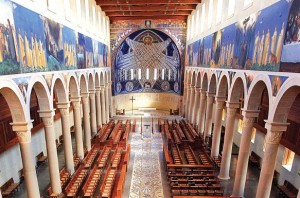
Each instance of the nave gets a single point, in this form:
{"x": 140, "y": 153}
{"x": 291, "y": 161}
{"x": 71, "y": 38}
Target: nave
{"x": 146, "y": 175}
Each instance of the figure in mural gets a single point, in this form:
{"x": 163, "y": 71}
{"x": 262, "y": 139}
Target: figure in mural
{"x": 153, "y": 56}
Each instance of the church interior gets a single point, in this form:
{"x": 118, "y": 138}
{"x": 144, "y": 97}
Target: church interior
{"x": 154, "y": 98}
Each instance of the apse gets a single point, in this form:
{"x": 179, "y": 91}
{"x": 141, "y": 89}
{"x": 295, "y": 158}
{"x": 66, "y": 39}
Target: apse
{"x": 147, "y": 61}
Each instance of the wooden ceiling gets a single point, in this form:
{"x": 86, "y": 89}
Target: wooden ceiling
{"x": 147, "y": 9}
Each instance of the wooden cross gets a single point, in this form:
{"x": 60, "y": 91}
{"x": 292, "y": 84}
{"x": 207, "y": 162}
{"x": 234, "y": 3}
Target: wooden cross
{"x": 132, "y": 99}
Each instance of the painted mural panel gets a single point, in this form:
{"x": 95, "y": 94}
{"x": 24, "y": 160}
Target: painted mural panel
{"x": 292, "y": 36}
{"x": 254, "y": 43}
{"x": 9, "y": 56}
{"x": 147, "y": 61}
{"x": 277, "y": 82}
{"x": 227, "y": 49}
{"x": 89, "y": 52}
{"x": 31, "y": 40}
{"x": 54, "y": 45}
{"x": 81, "y": 55}
{"x": 69, "y": 44}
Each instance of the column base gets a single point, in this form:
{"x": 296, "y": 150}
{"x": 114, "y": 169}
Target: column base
{"x": 223, "y": 178}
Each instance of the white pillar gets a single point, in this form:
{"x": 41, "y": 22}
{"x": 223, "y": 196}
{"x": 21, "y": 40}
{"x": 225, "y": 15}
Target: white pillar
{"x": 107, "y": 102}
{"x": 215, "y": 148}
{"x": 208, "y": 117}
{"x": 78, "y": 126}
{"x": 243, "y": 157}
{"x": 187, "y": 103}
{"x": 86, "y": 120}
{"x": 47, "y": 117}
{"x": 196, "y": 106}
{"x": 93, "y": 113}
{"x": 102, "y": 94}
{"x": 111, "y": 109}
{"x": 98, "y": 106}
{"x": 228, "y": 140}
{"x": 273, "y": 137}
{"x": 201, "y": 111}
{"x": 191, "y": 103}
{"x": 23, "y": 131}
{"x": 65, "y": 120}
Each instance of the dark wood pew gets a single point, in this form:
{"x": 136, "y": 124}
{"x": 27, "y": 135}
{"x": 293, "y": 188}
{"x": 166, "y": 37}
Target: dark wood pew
{"x": 104, "y": 155}
{"x": 41, "y": 158}
{"x": 288, "y": 190}
{"x": 9, "y": 188}
{"x": 108, "y": 183}
{"x": 254, "y": 159}
{"x": 121, "y": 181}
{"x": 91, "y": 183}
{"x": 90, "y": 158}
{"x": 76, "y": 182}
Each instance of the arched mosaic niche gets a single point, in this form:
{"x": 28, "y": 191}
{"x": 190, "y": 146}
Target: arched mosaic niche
{"x": 148, "y": 60}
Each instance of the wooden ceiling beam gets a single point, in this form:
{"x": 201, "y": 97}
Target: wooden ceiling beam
{"x": 121, "y": 18}
{"x": 147, "y": 8}
{"x": 145, "y": 2}
{"x": 146, "y": 13}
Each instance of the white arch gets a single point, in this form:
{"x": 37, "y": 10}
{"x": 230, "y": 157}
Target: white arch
{"x": 39, "y": 84}
{"x": 73, "y": 85}
{"x": 286, "y": 88}
{"x": 254, "y": 91}
{"x": 59, "y": 83}
{"x": 15, "y": 100}
{"x": 212, "y": 83}
{"x": 239, "y": 76}
{"x": 223, "y": 88}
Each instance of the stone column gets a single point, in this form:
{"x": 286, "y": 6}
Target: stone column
{"x": 273, "y": 137}
{"x": 201, "y": 111}
{"x": 47, "y": 117}
{"x": 111, "y": 110}
{"x": 93, "y": 112}
{"x": 208, "y": 117}
{"x": 23, "y": 131}
{"x": 215, "y": 148}
{"x": 187, "y": 102}
{"x": 78, "y": 127}
{"x": 184, "y": 104}
{"x": 243, "y": 157}
{"x": 107, "y": 102}
{"x": 65, "y": 120}
{"x": 103, "y": 104}
{"x": 98, "y": 106}
{"x": 86, "y": 120}
{"x": 196, "y": 106}
{"x": 192, "y": 101}
{"x": 227, "y": 147}
{"x": 0, "y": 194}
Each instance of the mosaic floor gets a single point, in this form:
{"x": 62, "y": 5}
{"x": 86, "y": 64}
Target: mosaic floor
{"x": 146, "y": 176}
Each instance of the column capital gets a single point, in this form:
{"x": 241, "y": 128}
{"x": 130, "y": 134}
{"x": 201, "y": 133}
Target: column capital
{"x": 84, "y": 94}
{"x": 210, "y": 94}
{"x": 97, "y": 88}
{"x": 23, "y": 131}
{"x": 63, "y": 105}
{"x": 46, "y": 113}
{"x": 250, "y": 113}
{"x": 108, "y": 83}
{"x": 274, "y": 131}
{"x": 232, "y": 105}
{"x": 75, "y": 99}
{"x": 92, "y": 91}
{"x": 197, "y": 89}
{"x": 220, "y": 98}
{"x": 102, "y": 88}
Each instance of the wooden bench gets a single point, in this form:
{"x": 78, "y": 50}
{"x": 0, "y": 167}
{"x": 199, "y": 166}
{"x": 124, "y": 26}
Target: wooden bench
{"x": 254, "y": 159}
{"x": 288, "y": 190}
{"x": 41, "y": 158}
{"x": 9, "y": 188}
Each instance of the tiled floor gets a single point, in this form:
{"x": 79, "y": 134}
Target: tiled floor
{"x": 146, "y": 176}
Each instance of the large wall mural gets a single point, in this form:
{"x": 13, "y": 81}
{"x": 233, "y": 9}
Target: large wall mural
{"x": 30, "y": 42}
{"x": 292, "y": 36}
{"x": 147, "y": 61}
{"x": 161, "y": 30}
{"x": 253, "y": 43}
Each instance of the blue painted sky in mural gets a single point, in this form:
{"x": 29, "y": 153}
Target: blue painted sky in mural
{"x": 32, "y": 23}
